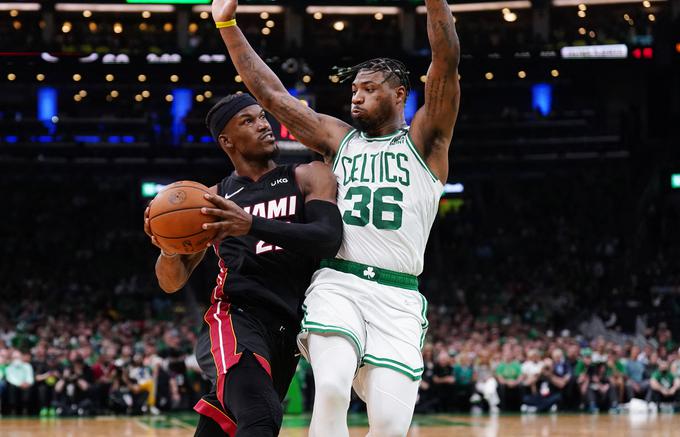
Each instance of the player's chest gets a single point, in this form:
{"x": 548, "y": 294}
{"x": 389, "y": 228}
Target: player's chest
{"x": 374, "y": 165}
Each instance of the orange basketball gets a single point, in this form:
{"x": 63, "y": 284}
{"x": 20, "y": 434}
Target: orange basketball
{"x": 175, "y": 217}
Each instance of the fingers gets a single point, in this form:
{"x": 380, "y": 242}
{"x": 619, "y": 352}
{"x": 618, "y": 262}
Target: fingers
{"x": 147, "y": 227}
{"x": 218, "y": 201}
{"x": 216, "y": 212}
{"x": 221, "y": 202}
{"x": 220, "y": 226}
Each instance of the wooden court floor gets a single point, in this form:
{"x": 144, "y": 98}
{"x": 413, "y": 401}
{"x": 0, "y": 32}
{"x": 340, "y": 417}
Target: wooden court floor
{"x": 662, "y": 425}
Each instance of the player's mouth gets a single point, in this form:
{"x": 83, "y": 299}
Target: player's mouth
{"x": 356, "y": 110}
{"x": 267, "y": 136}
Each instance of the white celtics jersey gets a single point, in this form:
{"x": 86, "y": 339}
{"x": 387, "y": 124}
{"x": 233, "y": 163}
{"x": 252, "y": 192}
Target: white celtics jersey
{"x": 388, "y": 199}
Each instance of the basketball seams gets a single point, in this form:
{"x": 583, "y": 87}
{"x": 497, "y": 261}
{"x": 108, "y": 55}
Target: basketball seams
{"x": 178, "y": 210}
{"x": 185, "y": 199}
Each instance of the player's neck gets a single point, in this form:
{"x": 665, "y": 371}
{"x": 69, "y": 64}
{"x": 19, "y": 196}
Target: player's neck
{"x": 254, "y": 170}
{"x": 387, "y": 128}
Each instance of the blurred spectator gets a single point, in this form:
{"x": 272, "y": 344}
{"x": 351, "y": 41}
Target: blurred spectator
{"x": 636, "y": 384}
{"x": 4, "y": 361}
{"x": 510, "y": 377}
{"x": 486, "y": 385}
{"x": 561, "y": 377}
{"x": 465, "y": 379}
{"x": 541, "y": 395}
{"x": 600, "y": 393}
{"x": 531, "y": 369}
{"x": 443, "y": 382}
{"x": 46, "y": 371}
{"x": 73, "y": 390}
{"x": 616, "y": 370}
{"x": 664, "y": 385}
{"x": 19, "y": 376}
{"x": 125, "y": 394}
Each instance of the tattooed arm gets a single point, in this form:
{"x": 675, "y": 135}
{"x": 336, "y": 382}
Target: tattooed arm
{"x": 432, "y": 127}
{"x": 319, "y": 132}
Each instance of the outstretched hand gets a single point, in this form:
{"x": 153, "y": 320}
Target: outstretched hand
{"x": 224, "y": 10}
{"x": 233, "y": 221}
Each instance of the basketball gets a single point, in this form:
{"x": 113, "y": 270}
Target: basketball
{"x": 175, "y": 217}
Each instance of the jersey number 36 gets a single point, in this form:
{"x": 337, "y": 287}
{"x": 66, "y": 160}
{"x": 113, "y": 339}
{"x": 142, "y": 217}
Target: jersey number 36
{"x": 385, "y": 215}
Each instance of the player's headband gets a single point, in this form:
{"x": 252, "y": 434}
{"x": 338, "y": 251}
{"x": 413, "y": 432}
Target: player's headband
{"x": 225, "y": 112}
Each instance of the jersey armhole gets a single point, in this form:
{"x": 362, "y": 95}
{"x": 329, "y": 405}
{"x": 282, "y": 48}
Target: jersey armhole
{"x": 414, "y": 150}
{"x": 343, "y": 143}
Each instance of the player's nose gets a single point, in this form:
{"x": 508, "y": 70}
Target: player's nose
{"x": 263, "y": 125}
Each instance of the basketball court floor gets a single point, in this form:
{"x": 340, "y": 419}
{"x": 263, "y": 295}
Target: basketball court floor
{"x": 562, "y": 425}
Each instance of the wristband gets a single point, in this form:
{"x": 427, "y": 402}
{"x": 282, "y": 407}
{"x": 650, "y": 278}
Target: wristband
{"x": 167, "y": 255}
{"x": 223, "y": 24}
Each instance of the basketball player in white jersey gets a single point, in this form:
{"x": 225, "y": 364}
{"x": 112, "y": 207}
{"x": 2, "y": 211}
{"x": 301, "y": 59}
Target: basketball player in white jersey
{"x": 365, "y": 320}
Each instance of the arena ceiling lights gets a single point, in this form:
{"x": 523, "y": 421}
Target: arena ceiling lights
{"x": 353, "y": 10}
{"x": 245, "y": 9}
{"x": 560, "y": 3}
{"x": 485, "y": 6}
{"x": 108, "y": 7}
{"x": 20, "y": 6}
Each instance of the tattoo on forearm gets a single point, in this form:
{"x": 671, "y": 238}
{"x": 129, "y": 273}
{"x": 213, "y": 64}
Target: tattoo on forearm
{"x": 445, "y": 29}
{"x": 435, "y": 92}
{"x": 297, "y": 119}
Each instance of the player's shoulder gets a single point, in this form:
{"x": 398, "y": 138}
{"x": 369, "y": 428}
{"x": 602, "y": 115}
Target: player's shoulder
{"x": 315, "y": 172}
{"x": 313, "y": 168}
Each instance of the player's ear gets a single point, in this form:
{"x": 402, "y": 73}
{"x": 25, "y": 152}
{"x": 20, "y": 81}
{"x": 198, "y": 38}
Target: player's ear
{"x": 400, "y": 94}
{"x": 225, "y": 142}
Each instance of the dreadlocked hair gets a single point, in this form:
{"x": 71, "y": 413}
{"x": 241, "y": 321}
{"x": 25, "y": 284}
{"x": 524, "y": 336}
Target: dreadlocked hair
{"x": 394, "y": 71}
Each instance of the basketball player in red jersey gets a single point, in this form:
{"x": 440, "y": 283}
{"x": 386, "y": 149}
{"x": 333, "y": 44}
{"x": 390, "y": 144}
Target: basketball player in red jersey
{"x": 275, "y": 223}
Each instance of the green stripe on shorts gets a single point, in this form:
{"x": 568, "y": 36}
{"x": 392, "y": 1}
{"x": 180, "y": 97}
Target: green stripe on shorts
{"x": 414, "y": 374}
{"x": 320, "y": 328}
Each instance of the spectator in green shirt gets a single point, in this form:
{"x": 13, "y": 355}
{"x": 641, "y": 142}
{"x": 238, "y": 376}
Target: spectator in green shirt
{"x": 465, "y": 378}
{"x": 509, "y": 377}
{"x": 664, "y": 385}
{"x": 581, "y": 372}
{"x": 615, "y": 372}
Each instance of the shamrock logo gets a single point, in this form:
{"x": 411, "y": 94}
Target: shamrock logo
{"x": 369, "y": 273}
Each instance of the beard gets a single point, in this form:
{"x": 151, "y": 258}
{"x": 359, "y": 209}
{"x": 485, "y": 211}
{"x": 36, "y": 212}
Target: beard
{"x": 363, "y": 124}
{"x": 372, "y": 122}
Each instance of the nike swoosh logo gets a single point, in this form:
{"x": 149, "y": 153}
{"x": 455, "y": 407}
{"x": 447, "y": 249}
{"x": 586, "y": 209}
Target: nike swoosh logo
{"x": 229, "y": 196}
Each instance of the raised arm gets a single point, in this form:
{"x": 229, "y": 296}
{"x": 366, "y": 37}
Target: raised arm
{"x": 432, "y": 126}
{"x": 319, "y": 132}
